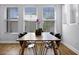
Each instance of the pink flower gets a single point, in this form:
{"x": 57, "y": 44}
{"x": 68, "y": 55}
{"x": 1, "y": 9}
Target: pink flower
{"x": 37, "y": 21}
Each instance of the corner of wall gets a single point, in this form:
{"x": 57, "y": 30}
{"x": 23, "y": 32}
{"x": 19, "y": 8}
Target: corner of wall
{"x": 70, "y": 47}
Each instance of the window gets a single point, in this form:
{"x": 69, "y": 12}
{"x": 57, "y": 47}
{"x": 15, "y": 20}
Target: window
{"x": 48, "y": 13}
{"x": 48, "y": 26}
{"x": 12, "y": 26}
{"x": 30, "y": 26}
{"x": 73, "y": 13}
{"x": 12, "y": 23}
{"x": 64, "y": 13}
{"x": 30, "y": 13}
{"x": 12, "y": 13}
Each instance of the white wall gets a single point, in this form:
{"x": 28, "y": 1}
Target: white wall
{"x": 58, "y": 22}
{"x": 70, "y": 33}
{"x": 7, "y": 37}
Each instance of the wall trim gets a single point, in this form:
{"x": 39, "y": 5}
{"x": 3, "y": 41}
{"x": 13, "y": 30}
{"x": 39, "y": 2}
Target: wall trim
{"x": 70, "y": 47}
{"x": 9, "y": 42}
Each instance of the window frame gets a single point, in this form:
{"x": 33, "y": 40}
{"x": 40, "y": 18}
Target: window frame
{"x": 11, "y": 19}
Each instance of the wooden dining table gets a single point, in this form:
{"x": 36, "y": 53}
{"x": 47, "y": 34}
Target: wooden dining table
{"x": 41, "y": 40}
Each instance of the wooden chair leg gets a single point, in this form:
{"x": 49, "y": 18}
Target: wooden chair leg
{"x": 55, "y": 48}
{"x": 21, "y": 42}
{"x": 23, "y": 47}
{"x": 58, "y": 43}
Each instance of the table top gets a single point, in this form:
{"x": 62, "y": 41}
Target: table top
{"x": 46, "y": 36}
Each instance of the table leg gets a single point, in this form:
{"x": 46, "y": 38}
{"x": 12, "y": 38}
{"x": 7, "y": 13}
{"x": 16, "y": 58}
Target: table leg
{"x": 23, "y": 47}
{"x": 55, "y": 48}
{"x": 39, "y": 47}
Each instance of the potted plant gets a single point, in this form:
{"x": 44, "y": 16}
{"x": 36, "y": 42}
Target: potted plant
{"x": 38, "y": 30}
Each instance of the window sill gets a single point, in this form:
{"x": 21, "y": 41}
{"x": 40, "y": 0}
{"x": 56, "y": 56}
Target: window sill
{"x": 48, "y": 20}
{"x": 12, "y": 33}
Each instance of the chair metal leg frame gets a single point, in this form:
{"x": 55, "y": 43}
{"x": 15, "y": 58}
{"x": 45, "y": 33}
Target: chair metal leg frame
{"x": 33, "y": 47}
{"x": 46, "y": 48}
{"x": 34, "y": 50}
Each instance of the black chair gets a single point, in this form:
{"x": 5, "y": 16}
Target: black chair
{"x": 58, "y": 35}
{"x": 24, "y": 33}
{"x": 20, "y": 35}
{"x": 30, "y": 44}
{"x": 52, "y": 33}
{"x": 48, "y": 44}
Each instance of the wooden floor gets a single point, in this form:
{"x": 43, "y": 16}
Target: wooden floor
{"x": 13, "y": 49}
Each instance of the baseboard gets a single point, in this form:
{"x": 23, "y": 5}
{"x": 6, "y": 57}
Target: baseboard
{"x": 9, "y": 42}
{"x": 71, "y": 48}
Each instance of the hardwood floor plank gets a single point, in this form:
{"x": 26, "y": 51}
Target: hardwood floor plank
{"x": 13, "y": 49}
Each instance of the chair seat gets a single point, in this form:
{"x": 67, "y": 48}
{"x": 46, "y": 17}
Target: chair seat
{"x": 31, "y": 45}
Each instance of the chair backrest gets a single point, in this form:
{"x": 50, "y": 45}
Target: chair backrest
{"x": 52, "y": 33}
{"x": 58, "y": 35}
{"x": 24, "y": 33}
{"x": 21, "y": 34}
